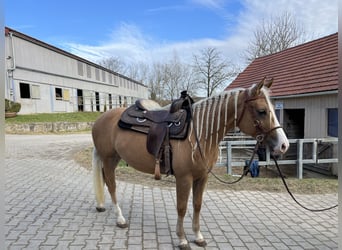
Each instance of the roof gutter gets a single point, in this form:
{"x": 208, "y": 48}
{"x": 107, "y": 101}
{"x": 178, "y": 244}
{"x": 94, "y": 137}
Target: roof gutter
{"x": 330, "y": 92}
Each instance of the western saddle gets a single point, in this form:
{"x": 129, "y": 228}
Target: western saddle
{"x": 160, "y": 124}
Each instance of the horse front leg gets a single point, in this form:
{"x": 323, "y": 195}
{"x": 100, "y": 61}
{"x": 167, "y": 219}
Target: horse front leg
{"x": 183, "y": 187}
{"x": 198, "y": 189}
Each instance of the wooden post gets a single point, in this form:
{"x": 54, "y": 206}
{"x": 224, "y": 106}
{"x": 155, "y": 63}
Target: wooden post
{"x": 300, "y": 158}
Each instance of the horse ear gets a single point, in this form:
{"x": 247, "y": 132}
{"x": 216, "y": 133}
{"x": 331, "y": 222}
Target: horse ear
{"x": 256, "y": 89}
{"x": 268, "y": 84}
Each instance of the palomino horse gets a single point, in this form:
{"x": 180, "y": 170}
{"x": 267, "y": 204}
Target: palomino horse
{"x": 192, "y": 159}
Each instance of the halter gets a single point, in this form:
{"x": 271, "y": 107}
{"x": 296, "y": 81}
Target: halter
{"x": 262, "y": 133}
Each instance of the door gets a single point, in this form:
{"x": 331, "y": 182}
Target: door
{"x": 97, "y": 101}
{"x": 80, "y": 101}
{"x": 294, "y": 123}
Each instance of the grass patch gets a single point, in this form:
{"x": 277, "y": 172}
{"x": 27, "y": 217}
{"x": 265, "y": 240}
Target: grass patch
{"x": 55, "y": 117}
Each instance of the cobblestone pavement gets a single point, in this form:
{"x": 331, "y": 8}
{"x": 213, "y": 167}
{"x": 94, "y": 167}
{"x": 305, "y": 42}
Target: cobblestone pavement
{"x": 50, "y": 205}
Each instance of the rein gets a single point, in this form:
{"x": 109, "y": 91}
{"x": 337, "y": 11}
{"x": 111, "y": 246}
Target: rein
{"x": 292, "y": 196}
{"x": 260, "y": 139}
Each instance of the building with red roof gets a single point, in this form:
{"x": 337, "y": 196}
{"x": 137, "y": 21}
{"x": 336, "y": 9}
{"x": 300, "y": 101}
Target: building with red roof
{"x": 305, "y": 87}
{"x": 304, "y": 93}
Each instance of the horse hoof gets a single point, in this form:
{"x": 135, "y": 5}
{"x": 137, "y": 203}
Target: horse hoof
{"x": 184, "y": 247}
{"x": 201, "y": 243}
{"x": 122, "y": 225}
{"x": 100, "y": 209}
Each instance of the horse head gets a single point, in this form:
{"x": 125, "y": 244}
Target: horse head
{"x": 258, "y": 119}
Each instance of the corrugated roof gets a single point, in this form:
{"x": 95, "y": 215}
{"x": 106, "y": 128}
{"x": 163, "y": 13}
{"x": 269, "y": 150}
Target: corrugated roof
{"x": 307, "y": 68}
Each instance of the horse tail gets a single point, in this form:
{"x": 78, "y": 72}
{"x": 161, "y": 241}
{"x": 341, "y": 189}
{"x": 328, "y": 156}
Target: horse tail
{"x": 98, "y": 181}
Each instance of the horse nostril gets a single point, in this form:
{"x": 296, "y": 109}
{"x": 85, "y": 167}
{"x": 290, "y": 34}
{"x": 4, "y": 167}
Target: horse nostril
{"x": 283, "y": 147}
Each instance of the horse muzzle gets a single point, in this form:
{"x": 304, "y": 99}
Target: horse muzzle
{"x": 276, "y": 140}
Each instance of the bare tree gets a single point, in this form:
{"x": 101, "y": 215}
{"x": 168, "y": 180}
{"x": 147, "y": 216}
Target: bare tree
{"x": 115, "y": 64}
{"x": 173, "y": 76}
{"x": 211, "y": 70}
{"x": 188, "y": 82}
{"x": 274, "y": 35}
{"x": 155, "y": 81}
{"x": 138, "y": 71}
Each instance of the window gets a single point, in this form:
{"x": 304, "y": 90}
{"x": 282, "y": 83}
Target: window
{"x": 110, "y": 78}
{"x": 80, "y": 68}
{"x": 35, "y": 92}
{"x": 103, "y": 76}
{"x": 62, "y": 94}
{"x": 59, "y": 93}
{"x": 333, "y": 122}
{"x": 28, "y": 91}
{"x": 97, "y": 74}
{"x": 25, "y": 90}
{"x": 110, "y": 99}
{"x": 66, "y": 94}
{"x": 88, "y": 71}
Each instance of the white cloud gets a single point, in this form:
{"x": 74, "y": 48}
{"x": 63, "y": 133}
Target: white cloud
{"x": 129, "y": 42}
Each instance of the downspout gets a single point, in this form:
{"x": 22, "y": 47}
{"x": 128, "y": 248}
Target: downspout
{"x": 11, "y": 87}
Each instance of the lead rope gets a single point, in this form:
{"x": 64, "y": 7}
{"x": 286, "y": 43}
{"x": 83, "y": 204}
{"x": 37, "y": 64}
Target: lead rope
{"x": 245, "y": 170}
{"x": 292, "y": 196}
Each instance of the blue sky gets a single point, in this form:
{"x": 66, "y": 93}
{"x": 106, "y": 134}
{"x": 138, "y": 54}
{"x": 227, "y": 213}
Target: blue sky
{"x": 153, "y": 30}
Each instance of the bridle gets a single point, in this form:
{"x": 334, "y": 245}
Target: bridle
{"x": 262, "y": 132}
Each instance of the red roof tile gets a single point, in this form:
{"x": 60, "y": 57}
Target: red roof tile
{"x": 307, "y": 68}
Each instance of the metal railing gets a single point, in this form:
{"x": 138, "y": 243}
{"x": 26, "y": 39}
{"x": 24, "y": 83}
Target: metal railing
{"x": 311, "y": 155}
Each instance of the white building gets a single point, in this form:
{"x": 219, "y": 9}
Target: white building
{"x": 46, "y": 79}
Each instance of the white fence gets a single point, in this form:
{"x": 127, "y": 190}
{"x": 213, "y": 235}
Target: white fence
{"x": 226, "y": 154}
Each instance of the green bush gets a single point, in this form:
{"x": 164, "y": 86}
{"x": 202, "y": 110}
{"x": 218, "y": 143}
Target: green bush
{"x": 11, "y": 106}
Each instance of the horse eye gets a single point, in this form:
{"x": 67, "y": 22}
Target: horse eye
{"x": 262, "y": 112}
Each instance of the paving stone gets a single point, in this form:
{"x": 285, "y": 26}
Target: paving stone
{"x": 50, "y": 205}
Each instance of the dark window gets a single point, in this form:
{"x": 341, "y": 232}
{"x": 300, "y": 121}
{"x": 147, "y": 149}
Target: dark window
{"x": 59, "y": 94}
{"x": 97, "y": 100}
{"x": 110, "y": 101}
{"x": 25, "y": 90}
{"x": 333, "y": 122}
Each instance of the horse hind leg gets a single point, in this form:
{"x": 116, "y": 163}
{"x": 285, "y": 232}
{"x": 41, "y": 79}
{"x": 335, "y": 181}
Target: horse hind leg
{"x": 104, "y": 172}
{"x": 109, "y": 166}
{"x": 98, "y": 181}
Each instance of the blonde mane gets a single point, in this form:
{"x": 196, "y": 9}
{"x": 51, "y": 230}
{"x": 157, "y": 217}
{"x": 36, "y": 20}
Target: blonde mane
{"x": 208, "y": 114}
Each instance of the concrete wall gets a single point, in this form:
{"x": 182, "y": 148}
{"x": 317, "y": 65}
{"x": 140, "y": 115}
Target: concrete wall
{"x": 49, "y": 127}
